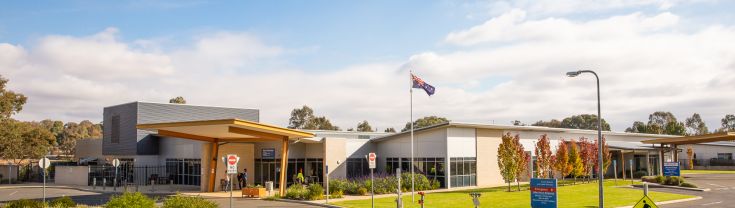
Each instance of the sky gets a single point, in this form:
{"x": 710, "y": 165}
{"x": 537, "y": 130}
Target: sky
{"x": 490, "y": 61}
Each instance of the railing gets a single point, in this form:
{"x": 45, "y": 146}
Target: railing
{"x": 721, "y": 162}
{"x": 104, "y": 175}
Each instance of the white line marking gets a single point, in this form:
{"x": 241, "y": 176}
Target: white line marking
{"x": 712, "y": 203}
{"x": 13, "y": 193}
{"x": 717, "y": 185}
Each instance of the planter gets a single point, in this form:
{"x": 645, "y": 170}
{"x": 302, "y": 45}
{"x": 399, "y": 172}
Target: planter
{"x": 253, "y": 192}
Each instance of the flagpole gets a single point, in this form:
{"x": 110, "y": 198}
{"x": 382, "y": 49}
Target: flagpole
{"x": 412, "y": 174}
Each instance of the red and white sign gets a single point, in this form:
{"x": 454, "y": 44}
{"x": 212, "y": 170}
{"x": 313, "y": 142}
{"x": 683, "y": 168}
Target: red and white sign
{"x": 371, "y": 160}
{"x": 231, "y": 162}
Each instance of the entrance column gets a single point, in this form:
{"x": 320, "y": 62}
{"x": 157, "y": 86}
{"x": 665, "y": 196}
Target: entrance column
{"x": 661, "y": 159}
{"x": 213, "y": 164}
{"x": 622, "y": 163}
{"x": 284, "y": 165}
{"x": 676, "y": 154}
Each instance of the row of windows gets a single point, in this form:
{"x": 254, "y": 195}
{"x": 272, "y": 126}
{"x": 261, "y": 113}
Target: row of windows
{"x": 184, "y": 171}
{"x": 270, "y": 169}
{"x": 432, "y": 167}
{"x": 357, "y": 167}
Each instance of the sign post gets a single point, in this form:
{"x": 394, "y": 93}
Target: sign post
{"x": 543, "y": 193}
{"x": 44, "y": 163}
{"x": 115, "y": 163}
{"x": 399, "y": 201}
{"x": 371, "y": 163}
{"x": 631, "y": 171}
{"x": 615, "y": 170}
{"x": 326, "y": 173}
{"x": 231, "y": 162}
{"x": 476, "y": 199}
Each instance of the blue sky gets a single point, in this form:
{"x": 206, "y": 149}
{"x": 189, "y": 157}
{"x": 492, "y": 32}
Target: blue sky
{"x": 491, "y": 61}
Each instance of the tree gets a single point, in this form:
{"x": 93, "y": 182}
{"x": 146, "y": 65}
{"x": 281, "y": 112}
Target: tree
{"x": 517, "y": 123}
{"x": 728, "y": 123}
{"x": 303, "y": 118}
{"x": 23, "y": 140}
{"x": 659, "y": 122}
{"x": 177, "y": 100}
{"x": 553, "y": 123}
{"x": 73, "y": 132}
{"x": 543, "y": 157}
{"x": 424, "y": 122}
{"x": 10, "y": 102}
{"x": 695, "y": 125}
{"x": 350, "y": 129}
{"x": 390, "y": 130}
{"x": 588, "y": 153}
{"x": 582, "y": 121}
{"x": 561, "y": 161}
{"x": 508, "y": 159}
{"x": 523, "y": 158}
{"x": 606, "y": 157}
{"x": 364, "y": 126}
{"x": 55, "y": 127}
{"x": 575, "y": 160}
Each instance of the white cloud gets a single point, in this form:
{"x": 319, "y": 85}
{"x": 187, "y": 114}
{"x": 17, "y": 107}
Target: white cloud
{"x": 513, "y": 26}
{"x": 557, "y": 7}
{"x": 646, "y": 63}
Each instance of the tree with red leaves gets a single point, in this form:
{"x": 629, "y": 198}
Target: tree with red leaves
{"x": 605, "y": 156}
{"x": 544, "y": 160}
{"x": 588, "y": 151}
{"x": 523, "y": 159}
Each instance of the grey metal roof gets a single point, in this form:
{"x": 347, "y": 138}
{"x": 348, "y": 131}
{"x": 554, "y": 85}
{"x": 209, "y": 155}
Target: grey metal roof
{"x": 628, "y": 145}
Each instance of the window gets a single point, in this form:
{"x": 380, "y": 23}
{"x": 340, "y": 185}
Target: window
{"x": 463, "y": 172}
{"x": 357, "y": 167}
{"x": 432, "y": 168}
{"x": 184, "y": 171}
{"x": 724, "y": 156}
{"x": 115, "y": 133}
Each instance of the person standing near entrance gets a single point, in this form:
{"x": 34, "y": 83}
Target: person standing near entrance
{"x": 239, "y": 180}
{"x": 244, "y": 178}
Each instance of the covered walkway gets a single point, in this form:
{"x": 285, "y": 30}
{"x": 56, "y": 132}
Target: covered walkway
{"x": 217, "y": 132}
{"x": 671, "y": 144}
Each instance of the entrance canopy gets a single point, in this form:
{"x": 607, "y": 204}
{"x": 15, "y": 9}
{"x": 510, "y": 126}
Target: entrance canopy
{"x": 225, "y": 130}
{"x": 230, "y": 130}
{"x": 716, "y": 137}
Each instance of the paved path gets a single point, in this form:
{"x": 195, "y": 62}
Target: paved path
{"x": 722, "y": 192}
{"x": 96, "y": 198}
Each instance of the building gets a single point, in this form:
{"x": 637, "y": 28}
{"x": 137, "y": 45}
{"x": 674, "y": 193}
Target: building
{"x": 187, "y": 142}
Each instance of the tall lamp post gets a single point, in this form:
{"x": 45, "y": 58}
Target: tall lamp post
{"x": 599, "y": 134}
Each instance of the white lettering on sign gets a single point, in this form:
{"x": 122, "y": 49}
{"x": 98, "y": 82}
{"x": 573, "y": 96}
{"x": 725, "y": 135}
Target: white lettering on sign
{"x": 371, "y": 160}
{"x": 231, "y": 161}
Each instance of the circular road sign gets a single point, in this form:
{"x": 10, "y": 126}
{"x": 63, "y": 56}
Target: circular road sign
{"x": 371, "y": 156}
{"x": 44, "y": 163}
{"x": 115, "y": 162}
{"x": 231, "y": 159}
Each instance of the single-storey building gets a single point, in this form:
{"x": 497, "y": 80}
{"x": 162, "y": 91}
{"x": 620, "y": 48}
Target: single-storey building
{"x": 187, "y": 142}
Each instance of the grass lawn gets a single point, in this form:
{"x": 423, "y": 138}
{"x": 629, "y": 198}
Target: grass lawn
{"x": 707, "y": 171}
{"x": 582, "y": 195}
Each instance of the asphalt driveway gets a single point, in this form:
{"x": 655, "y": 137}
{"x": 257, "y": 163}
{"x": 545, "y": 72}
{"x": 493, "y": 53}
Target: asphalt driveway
{"x": 722, "y": 192}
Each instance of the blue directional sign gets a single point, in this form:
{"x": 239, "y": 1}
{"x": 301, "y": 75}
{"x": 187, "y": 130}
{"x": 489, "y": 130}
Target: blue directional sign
{"x": 543, "y": 193}
{"x": 269, "y": 153}
{"x": 671, "y": 169}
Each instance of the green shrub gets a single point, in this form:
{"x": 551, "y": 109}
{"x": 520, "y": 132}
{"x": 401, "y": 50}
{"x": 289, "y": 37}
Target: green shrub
{"x": 336, "y": 194}
{"x": 435, "y": 184}
{"x": 362, "y": 191}
{"x": 130, "y": 199}
{"x": 296, "y": 191}
{"x": 24, "y": 203}
{"x": 316, "y": 191}
{"x": 421, "y": 183}
{"x": 660, "y": 179}
{"x": 639, "y": 174}
{"x": 688, "y": 185}
{"x": 63, "y": 202}
{"x": 180, "y": 201}
{"x": 337, "y": 185}
{"x": 649, "y": 179}
{"x": 674, "y": 180}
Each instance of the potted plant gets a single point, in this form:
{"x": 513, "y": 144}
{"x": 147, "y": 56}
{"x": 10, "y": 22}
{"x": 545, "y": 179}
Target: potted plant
{"x": 254, "y": 191}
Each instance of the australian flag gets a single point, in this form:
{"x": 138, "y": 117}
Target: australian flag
{"x": 419, "y": 83}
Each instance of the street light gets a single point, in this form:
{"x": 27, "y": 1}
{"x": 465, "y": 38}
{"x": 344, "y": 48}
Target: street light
{"x": 599, "y": 134}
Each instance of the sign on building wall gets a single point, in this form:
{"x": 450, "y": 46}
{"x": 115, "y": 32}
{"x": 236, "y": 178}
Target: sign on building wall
{"x": 543, "y": 193}
{"x": 671, "y": 169}
{"x": 268, "y": 153}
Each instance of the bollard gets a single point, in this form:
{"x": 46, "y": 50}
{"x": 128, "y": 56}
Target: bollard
{"x": 153, "y": 185}
{"x": 645, "y": 189}
{"x": 94, "y": 183}
{"x": 104, "y": 183}
{"x": 421, "y": 201}
{"x": 171, "y": 185}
